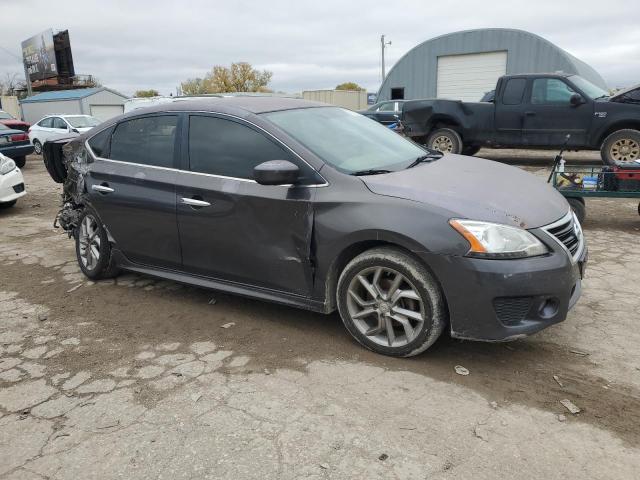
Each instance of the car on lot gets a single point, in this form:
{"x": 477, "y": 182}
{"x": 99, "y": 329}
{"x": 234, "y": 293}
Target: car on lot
{"x": 534, "y": 111}
{"x": 15, "y": 144}
{"x": 55, "y": 127}
{"x": 384, "y": 112}
{"x": 11, "y": 182}
{"x": 318, "y": 207}
{"x": 10, "y": 121}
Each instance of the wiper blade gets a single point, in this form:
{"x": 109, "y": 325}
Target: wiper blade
{"x": 602, "y": 96}
{"x": 424, "y": 158}
{"x": 372, "y": 171}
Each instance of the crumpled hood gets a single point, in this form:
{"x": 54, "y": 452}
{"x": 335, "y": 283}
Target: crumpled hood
{"x": 477, "y": 189}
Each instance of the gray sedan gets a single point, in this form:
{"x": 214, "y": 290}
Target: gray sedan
{"x": 318, "y": 207}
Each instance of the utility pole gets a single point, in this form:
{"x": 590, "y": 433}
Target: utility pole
{"x": 383, "y": 45}
{"x": 27, "y": 79}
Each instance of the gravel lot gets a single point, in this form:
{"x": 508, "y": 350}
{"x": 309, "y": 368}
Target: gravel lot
{"x": 139, "y": 378}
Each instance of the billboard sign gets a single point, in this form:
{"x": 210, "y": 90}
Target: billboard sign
{"x": 39, "y": 56}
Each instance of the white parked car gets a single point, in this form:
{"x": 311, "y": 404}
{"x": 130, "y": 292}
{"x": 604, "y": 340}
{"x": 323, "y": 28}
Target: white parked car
{"x": 55, "y": 127}
{"x": 11, "y": 182}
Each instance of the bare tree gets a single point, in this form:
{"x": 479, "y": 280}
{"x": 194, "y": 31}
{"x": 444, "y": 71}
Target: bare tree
{"x": 11, "y": 83}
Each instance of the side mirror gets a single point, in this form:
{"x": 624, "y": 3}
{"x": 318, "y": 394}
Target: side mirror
{"x": 276, "y": 172}
{"x": 576, "y": 99}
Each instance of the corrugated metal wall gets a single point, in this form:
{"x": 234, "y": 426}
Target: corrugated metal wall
{"x": 354, "y": 100}
{"x": 34, "y": 111}
{"x": 416, "y": 72}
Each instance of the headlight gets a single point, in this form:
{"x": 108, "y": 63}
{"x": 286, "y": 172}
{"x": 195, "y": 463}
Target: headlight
{"x": 494, "y": 240}
{"x": 6, "y": 165}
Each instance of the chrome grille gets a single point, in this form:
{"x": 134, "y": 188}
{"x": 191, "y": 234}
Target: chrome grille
{"x": 568, "y": 232}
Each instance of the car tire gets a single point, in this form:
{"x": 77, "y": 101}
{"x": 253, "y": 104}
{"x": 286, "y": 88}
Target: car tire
{"x": 445, "y": 140}
{"x": 470, "y": 150}
{"x": 399, "y": 326}
{"x": 20, "y": 161}
{"x": 579, "y": 208}
{"x": 91, "y": 241}
{"x": 622, "y": 146}
{"x": 37, "y": 147}
{"x": 7, "y": 204}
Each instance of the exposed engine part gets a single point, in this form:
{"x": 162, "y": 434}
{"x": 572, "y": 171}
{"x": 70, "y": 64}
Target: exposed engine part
{"x": 67, "y": 218}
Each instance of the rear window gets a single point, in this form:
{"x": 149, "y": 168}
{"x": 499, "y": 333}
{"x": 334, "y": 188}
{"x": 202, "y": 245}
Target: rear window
{"x": 101, "y": 142}
{"x": 514, "y": 91}
{"x": 46, "y": 123}
{"x": 147, "y": 141}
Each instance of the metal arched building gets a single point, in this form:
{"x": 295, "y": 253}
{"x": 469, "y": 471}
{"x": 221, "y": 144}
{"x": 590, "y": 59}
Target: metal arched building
{"x": 465, "y": 65}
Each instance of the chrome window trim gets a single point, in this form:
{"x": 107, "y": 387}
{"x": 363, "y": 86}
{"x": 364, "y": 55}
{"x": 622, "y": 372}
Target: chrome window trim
{"x": 569, "y": 217}
{"x": 247, "y": 180}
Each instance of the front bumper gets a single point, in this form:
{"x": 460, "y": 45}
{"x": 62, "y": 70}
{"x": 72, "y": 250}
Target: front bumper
{"x": 502, "y": 300}
{"x": 16, "y": 151}
{"x": 12, "y": 186}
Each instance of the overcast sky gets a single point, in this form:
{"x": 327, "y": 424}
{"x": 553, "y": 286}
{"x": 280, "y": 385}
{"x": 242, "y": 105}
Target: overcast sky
{"x": 307, "y": 45}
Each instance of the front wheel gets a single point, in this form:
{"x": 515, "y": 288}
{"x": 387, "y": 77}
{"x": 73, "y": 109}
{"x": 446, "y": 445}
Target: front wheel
{"x": 20, "y": 161}
{"x": 93, "y": 249}
{"x": 445, "y": 140}
{"x": 37, "y": 147}
{"x": 390, "y": 303}
{"x": 7, "y": 204}
{"x": 579, "y": 208}
{"x": 622, "y": 146}
{"x": 470, "y": 150}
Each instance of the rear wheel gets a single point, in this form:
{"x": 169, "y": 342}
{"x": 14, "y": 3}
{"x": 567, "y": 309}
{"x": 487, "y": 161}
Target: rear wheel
{"x": 37, "y": 147}
{"x": 20, "y": 161}
{"x": 579, "y": 208}
{"x": 390, "y": 303}
{"x": 93, "y": 249}
{"x": 445, "y": 140}
{"x": 622, "y": 146}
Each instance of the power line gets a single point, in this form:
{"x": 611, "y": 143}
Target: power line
{"x": 10, "y": 53}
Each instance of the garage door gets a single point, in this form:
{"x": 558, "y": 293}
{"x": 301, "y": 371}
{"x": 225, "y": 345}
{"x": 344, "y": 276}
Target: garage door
{"x": 105, "y": 112}
{"x": 468, "y": 77}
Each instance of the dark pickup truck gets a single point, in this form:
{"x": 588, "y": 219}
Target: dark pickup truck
{"x": 532, "y": 111}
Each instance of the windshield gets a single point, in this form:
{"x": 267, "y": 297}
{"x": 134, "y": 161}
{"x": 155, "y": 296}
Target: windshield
{"x": 3, "y": 127}
{"x": 82, "y": 121}
{"x": 347, "y": 140}
{"x": 5, "y": 116}
{"x": 588, "y": 88}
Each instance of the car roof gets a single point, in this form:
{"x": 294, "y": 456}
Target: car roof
{"x": 237, "y": 105}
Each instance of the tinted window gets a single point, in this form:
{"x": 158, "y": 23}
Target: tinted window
{"x": 550, "y": 91}
{"x": 100, "y": 143}
{"x": 513, "y": 91}
{"x": 46, "y": 123}
{"x": 148, "y": 141}
{"x": 224, "y": 147}
{"x": 59, "y": 123}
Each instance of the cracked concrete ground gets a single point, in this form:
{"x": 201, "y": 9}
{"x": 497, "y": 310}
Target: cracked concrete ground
{"x": 135, "y": 378}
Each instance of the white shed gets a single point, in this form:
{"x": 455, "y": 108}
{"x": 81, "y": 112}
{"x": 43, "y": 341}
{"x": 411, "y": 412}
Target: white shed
{"x": 102, "y": 103}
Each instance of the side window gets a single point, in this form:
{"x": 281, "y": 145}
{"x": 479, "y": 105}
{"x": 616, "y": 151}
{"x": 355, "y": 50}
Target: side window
{"x": 513, "y": 91}
{"x": 230, "y": 149}
{"x": 146, "y": 140}
{"x": 59, "y": 123}
{"x": 387, "y": 107}
{"x": 46, "y": 123}
{"x": 100, "y": 143}
{"x": 550, "y": 91}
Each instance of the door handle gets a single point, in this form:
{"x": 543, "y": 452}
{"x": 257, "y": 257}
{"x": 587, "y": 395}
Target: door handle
{"x": 102, "y": 188}
{"x": 530, "y": 114}
{"x": 194, "y": 202}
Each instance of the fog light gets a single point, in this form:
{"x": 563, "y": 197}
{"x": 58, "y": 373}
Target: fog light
{"x": 549, "y": 308}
